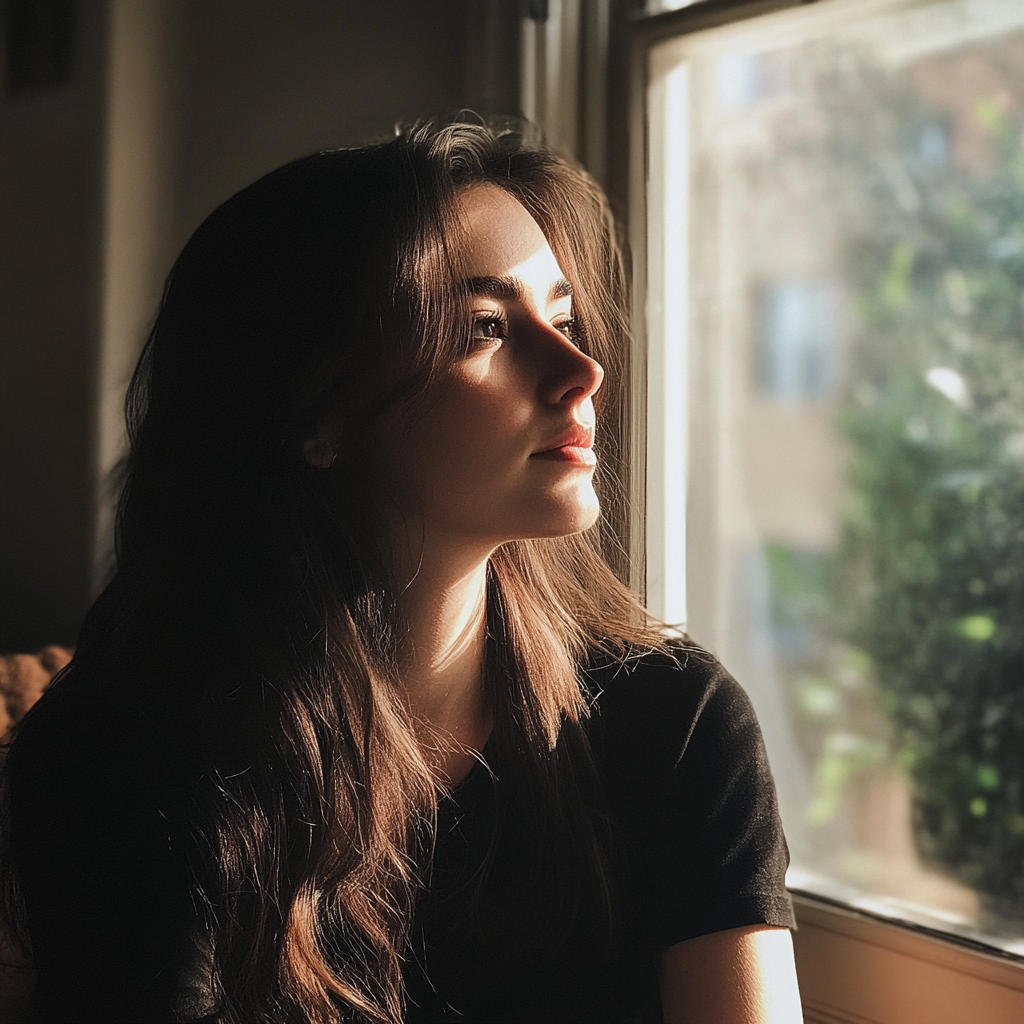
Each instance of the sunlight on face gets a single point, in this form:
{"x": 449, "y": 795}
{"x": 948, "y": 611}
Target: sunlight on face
{"x": 503, "y": 451}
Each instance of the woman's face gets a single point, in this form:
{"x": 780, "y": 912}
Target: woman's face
{"x": 501, "y": 449}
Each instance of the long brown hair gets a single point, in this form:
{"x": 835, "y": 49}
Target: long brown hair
{"x": 252, "y": 591}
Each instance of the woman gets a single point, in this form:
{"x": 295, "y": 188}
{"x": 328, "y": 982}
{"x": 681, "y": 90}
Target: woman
{"x": 364, "y": 728}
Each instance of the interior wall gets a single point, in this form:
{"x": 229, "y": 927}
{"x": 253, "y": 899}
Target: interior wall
{"x": 141, "y": 147}
{"x": 51, "y": 206}
{"x": 266, "y": 82}
{"x": 172, "y": 107}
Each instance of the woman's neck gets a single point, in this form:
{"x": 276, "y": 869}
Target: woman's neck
{"x": 444, "y": 606}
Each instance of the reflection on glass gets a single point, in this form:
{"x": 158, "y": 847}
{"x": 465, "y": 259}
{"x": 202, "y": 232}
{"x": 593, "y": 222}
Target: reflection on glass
{"x": 854, "y": 253}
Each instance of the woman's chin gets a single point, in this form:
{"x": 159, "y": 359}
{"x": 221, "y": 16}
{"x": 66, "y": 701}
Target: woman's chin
{"x": 573, "y": 514}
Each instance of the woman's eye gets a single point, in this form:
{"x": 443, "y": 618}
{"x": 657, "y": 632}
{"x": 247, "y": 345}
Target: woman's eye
{"x": 489, "y": 328}
{"x": 571, "y": 327}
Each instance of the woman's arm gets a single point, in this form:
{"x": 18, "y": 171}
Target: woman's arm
{"x": 738, "y": 976}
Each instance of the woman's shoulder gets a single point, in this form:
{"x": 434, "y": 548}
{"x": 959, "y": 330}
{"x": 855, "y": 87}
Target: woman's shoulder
{"x": 680, "y": 679}
{"x": 75, "y": 699}
{"x": 684, "y": 770}
{"x": 84, "y": 726}
{"x": 101, "y": 843}
{"x": 671, "y": 707}
{"x": 59, "y": 723}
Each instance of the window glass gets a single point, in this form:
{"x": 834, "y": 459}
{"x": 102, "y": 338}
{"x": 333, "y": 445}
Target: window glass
{"x": 836, "y": 428}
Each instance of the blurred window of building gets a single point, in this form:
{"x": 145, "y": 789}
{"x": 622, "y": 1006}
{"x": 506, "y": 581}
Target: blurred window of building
{"x": 796, "y": 334}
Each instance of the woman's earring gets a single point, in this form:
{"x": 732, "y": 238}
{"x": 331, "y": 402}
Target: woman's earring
{"x": 319, "y": 452}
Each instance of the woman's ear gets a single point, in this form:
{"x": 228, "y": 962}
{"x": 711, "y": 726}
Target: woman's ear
{"x": 319, "y": 452}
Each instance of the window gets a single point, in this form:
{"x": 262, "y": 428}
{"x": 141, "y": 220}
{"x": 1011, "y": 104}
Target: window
{"x": 795, "y": 335}
{"x": 835, "y": 425}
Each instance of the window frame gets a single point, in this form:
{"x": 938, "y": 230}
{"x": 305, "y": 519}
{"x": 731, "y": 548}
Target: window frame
{"x": 854, "y": 967}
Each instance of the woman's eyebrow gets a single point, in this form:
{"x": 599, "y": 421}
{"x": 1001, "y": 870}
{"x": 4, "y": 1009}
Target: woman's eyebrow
{"x": 507, "y": 288}
{"x": 561, "y": 289}
{"x": 510, "y": 288}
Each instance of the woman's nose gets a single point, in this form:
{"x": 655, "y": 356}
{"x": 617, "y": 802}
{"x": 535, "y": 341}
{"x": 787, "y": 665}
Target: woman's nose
{"x": 571, "y": 375}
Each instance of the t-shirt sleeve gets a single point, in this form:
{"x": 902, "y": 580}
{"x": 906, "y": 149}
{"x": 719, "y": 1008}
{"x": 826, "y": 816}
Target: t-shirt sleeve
{"x": 698, "y": 801}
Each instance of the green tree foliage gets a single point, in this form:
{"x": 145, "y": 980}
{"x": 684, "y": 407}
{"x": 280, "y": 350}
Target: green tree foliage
{"x": 932, "y": 562}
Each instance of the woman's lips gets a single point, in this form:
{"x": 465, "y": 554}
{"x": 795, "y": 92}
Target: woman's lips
{"x": 575, "y": 447}
{"x": 570, "y": 453}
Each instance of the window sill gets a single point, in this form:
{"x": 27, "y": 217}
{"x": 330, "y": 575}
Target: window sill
{"x": 855, "y": 969}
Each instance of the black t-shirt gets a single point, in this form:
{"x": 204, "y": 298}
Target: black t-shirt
{"x": 695, "y": 846}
